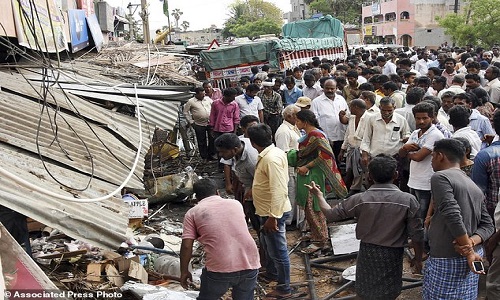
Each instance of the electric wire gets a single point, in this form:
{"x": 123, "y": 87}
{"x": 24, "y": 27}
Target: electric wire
{"x": 47, "y": 65}
{"x": 34, "y": 187}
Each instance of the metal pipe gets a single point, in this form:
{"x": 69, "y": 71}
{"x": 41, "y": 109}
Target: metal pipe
{"x": 321, "y": 266}
{"x": 335, "y": 258}
{"x": 310, "y": 278}
{"x": 337, "y": 291}
{"x": 153, "y": 249}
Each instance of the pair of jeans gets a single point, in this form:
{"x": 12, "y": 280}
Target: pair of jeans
{"x": 214, "y": 284}
{"x": 424, "y": 198}
{"x": 205, "y": 141}
{"x": 278, "y": 261}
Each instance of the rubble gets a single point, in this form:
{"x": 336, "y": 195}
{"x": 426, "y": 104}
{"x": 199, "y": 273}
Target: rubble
{"x": 145, "y": 64}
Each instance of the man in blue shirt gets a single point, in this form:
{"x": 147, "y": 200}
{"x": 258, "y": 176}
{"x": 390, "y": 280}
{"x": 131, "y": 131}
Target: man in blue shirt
{"x": 486, "y": 171}
{"x": 291, "y": 93}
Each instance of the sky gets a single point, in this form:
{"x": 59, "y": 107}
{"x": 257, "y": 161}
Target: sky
{"x": 200, "y": 14}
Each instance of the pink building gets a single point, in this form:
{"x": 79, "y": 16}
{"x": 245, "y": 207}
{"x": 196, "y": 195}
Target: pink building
{"x": 405, "y": 22}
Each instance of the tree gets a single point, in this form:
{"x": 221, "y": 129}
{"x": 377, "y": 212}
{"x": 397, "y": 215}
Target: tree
{"x": 185, "y": 25}
{"x": 347, "y": 11}
{"x": 251, "y": 18}
{"x": 177, "y": 13}
{"x": 477, "y": 24}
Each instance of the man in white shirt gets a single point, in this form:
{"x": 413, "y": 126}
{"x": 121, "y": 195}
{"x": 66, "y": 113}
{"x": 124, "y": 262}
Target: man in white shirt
{"x": 384, "y": 133}
{"x": 421, "y": 64}
{"x": 446, "y": 104}
{"x": 311, "y": 90}
{"x": 250, "y": 103}
{"x": 287, "y": 138}
{"x": 197, "y": 113}
{"x": 456, "y": 86}
{"x": 418, "y": 149}
{"x": 388, "y": 67}
{"x": 326, "y": 108}
{"x": 493, "y": 86}
{"x": 371, "y": 110}
{"x": 414, "y": 96}
{"x": 496, "y": 55}
{"x": 350, "y": 148}
{"x": 459, "y": 119}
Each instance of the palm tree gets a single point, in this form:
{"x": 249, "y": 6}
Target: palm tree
{"x": 177, "y": 13}
{"x": 185, "y": 25}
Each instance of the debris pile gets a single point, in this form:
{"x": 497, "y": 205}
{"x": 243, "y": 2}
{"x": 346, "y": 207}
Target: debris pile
{"x": 146, "y": 64}
{"x": 146, "y": 266}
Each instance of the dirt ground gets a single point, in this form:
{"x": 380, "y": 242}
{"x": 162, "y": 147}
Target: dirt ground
{"x": 325, "y": 281}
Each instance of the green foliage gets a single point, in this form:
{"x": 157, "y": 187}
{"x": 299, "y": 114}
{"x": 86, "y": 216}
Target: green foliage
{"x": 477, "y": 24}
{"x": 347, "y": 11}
{"x": 251, "y": 18}
{"x": 177, "y": 13}
{"x": 261, "y": 26}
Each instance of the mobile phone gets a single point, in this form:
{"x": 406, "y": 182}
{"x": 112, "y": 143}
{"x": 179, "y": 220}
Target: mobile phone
{"x": 478, "y": 266}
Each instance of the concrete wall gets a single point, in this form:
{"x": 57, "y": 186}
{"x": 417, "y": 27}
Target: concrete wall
{"x": 432, "y": 39}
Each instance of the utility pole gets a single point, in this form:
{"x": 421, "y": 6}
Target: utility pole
{"x": 131, "y": 20}
{"x": 145, "y": 22}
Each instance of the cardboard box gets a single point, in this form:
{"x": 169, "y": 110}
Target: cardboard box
{"x": 137, "y": 271}
{"x": 94, "y": 271}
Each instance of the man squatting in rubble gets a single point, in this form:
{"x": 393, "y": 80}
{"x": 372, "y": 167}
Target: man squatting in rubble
{"x": 232, "y": 258}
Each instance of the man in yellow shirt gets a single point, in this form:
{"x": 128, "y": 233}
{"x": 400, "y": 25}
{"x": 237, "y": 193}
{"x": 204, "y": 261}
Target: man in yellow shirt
{"x": 270, "y": 196}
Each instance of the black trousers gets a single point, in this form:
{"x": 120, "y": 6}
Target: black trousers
{"x": 205, "y": 141}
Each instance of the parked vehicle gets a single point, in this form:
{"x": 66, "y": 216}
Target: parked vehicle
{"x": 302, "y": 40}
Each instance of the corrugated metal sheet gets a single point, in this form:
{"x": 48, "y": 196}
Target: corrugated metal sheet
{"x": 121, "y": 125}
{"x": 67, "y": 140}
{"x": 102, "y": 224}
{"x": 160, "y": 113}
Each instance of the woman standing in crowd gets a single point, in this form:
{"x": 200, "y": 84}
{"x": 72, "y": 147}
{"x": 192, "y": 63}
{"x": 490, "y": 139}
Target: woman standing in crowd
{"x": 315, "y": 161}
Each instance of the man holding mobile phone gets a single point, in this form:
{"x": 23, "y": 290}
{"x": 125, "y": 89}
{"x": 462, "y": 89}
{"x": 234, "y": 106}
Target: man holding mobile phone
{"x": 458, "y": 227}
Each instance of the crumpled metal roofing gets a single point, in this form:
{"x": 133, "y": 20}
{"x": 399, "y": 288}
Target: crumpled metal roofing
{"x": 102, "y": 224}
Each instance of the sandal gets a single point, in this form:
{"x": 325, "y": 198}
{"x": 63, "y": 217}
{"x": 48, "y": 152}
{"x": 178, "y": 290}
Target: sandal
{"x": 263, "y": 277}
{"x": 311, "y": 249}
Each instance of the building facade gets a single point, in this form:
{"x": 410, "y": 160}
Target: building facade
{"x": 300, "y": 11}
{"x": 406, "y": 22}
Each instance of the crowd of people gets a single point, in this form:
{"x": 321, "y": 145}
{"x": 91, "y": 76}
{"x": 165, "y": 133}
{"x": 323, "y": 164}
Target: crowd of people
{"x": 407, "y": 140}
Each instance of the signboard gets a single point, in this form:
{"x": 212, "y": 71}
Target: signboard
{"x": 86, "y": 5}
{"x": 40, "y": 19}
{"x": 96, "y": 32}
{"x": 213, "y": 45}
{"x": 78, "y": 29}
{"x": 138, "y": 207}
{"x": 368, "y": 30}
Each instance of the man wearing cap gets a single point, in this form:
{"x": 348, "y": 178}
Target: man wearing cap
{"x": 273, "y": 105}
{"x": 303, "y": 102}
